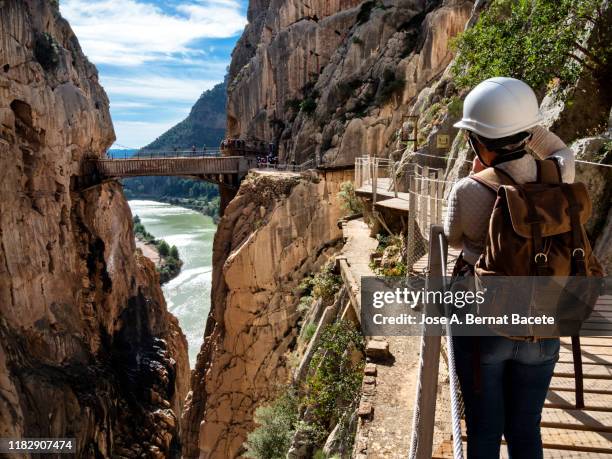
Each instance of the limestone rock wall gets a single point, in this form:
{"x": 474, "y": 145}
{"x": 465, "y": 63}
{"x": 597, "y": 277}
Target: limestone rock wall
{"x": 277, "y": 230}
{"x": 87, "y": 347}
{"x": 331, "y": 79}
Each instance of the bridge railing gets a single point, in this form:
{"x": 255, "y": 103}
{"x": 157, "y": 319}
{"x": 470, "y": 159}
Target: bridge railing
{"x": 150, "y": 154}
{"x": 310, "y": 164}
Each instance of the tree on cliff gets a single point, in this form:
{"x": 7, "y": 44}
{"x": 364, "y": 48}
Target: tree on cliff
{"x": 535, "y": 41}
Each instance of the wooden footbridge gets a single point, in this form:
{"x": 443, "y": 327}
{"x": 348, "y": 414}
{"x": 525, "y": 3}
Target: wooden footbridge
{"x": 221, "y": 170}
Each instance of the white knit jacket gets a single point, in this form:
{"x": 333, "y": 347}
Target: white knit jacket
{"x": 470, "y": 203}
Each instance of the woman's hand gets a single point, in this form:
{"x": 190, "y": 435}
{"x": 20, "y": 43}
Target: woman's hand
{"x": 477, "y": 166}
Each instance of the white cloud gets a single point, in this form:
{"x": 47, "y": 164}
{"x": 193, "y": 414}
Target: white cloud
{"x": 129, "y": 32}
{"x": 123, "y": 105}
{"x": 153, "y": 87}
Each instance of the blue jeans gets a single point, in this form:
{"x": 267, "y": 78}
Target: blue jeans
{"x": 504, "y": 384}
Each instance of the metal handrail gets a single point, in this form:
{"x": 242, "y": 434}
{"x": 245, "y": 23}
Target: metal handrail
{"x": 427, "y": 383}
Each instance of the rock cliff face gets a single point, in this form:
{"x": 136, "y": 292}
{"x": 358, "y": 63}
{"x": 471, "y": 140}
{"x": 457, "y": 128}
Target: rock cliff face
{"x": 278, "y": 229}
{"x": 331, "y": 79}
{"x": 87, "y": 347}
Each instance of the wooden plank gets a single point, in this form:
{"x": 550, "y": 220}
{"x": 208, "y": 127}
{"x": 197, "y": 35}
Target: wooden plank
{"x": 604, "y": 360}
{"x": 445, "y": 451}
{"x": 591, "y": 350}
{"x": 599, "y": 421}
{"x": 590, "y": 385}
{"x": 398, "y": 203}
{"x": 590, "y": 341}
{"x": 590, "y": 371}
{"x": 567, "y": 399}
{"x": 597, "y": 442}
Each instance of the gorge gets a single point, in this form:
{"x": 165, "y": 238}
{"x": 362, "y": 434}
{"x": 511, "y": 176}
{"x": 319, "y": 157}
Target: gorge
{"x": 89, "y": 347}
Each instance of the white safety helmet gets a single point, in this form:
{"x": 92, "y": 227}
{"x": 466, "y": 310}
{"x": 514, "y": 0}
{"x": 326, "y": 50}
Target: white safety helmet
{"x": 500, "y": 107}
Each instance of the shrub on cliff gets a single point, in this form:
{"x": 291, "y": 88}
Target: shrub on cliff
{"x": 276, "y": 426}
{"x": 534, "y": 40}
{"x": 349, "y": 201}
{"x": 335, "y": 381}
{"x": 325, "y": 284}
{"x": 163, "y": 248}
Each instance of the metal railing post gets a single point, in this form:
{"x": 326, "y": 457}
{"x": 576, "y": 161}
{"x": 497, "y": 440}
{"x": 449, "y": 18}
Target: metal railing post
{"x": 394, "y": 172}
{"x": 412, "y": 211}
{"x": 427, "y": 384}
{"x": 374, "y": 182}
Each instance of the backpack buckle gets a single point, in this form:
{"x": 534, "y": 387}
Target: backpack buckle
{"x": 539, "y": 256}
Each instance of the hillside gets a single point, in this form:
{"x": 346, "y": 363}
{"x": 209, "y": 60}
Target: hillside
{"x": 205, "y": 124}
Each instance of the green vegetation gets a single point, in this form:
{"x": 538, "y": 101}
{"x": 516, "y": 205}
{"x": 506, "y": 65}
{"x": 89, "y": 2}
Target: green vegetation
{"x": 309, "y": 331}
{"x": 335, "y": 379}
{"x": 304, "y": 305}
{"x": 328, "y": 395}
{"x": 350, "y": 203}
{"x": 534, "y": 40}
{"x": 308, "y": 105}
{"x": 170, "y": 261}
{"x": 388, "y": 259}
{"x": 293, "y": 104}
{"x": 455, "y": 107}
{"x": 324, "y": 284}
{"x": 389, "y": 85}
{"x": 277, "y": 422}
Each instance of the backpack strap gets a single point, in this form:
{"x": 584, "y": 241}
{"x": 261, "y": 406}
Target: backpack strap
{"x": 548, "y": 171}
{"x": 493, "y": 178}
{"x": 579, "y": 266}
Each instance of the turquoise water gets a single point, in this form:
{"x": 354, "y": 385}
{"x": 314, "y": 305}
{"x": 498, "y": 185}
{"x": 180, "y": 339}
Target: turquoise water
{"x": 188, "y": 294}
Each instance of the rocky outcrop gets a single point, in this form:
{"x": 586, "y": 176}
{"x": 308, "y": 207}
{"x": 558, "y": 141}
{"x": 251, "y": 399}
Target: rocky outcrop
{"x": 87, "y": 347}
{"x": 278, "y": 229}
{"x": 331, "y": 79}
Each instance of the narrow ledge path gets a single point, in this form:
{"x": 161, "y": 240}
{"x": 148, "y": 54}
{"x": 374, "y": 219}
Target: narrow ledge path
{"x": 389, "y": 388}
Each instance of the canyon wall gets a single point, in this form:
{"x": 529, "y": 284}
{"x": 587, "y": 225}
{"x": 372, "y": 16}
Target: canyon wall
{"x": 277, "y": 230}
{"x": 87, "y": 347}
{"x": 332, "y": 79}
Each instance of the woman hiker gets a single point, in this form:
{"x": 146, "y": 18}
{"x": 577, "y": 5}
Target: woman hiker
{"x": 504, "y": 381}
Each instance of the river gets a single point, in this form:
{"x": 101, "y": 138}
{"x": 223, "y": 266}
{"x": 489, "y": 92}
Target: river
{"x": 188, "y": 294}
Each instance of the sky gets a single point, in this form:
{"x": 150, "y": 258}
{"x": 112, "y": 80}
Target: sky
{"x": 155, "y": 57}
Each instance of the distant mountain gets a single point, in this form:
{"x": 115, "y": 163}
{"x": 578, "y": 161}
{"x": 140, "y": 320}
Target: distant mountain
{"x": 205, "y": 124}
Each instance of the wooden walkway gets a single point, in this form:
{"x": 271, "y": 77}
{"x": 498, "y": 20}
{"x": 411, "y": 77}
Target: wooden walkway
{"x": 566, "y": 431}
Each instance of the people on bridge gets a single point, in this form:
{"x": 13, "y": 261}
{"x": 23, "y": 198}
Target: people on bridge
{"x": 504, "y": 381}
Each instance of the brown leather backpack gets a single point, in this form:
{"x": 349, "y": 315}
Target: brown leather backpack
{"x": 537, "y": 229}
